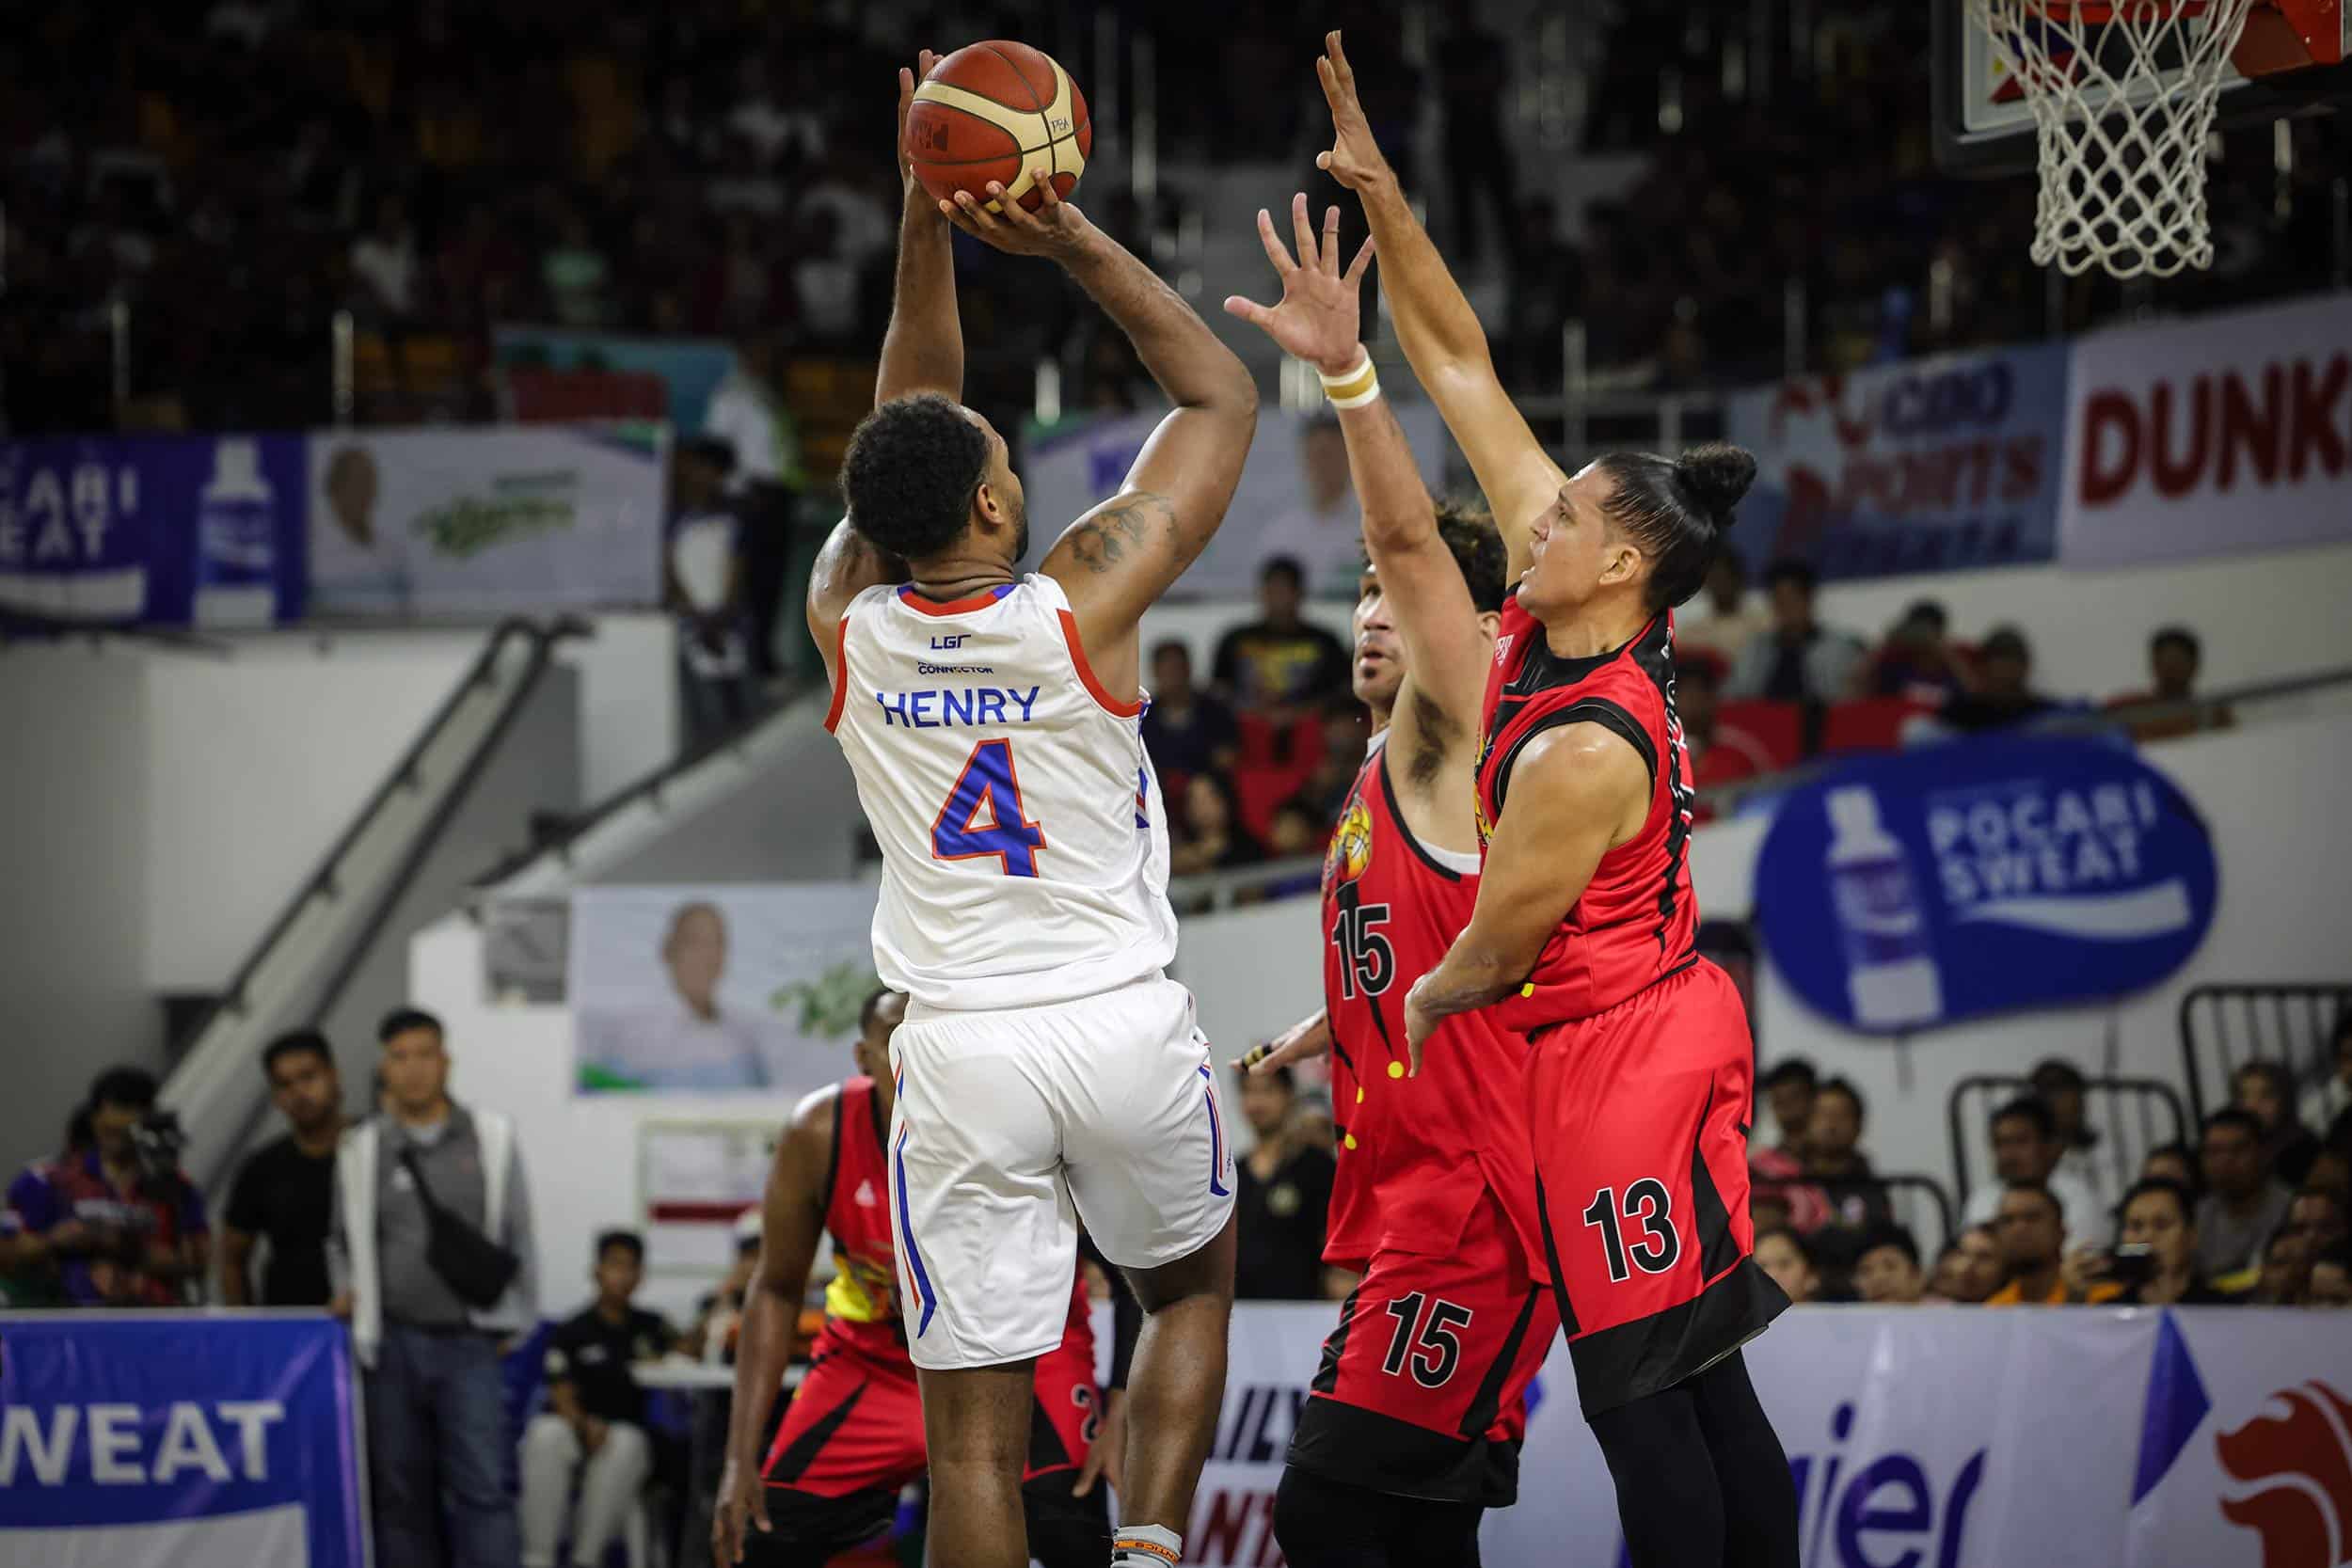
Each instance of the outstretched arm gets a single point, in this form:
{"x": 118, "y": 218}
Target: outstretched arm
{"x": 1576, "y": 793}
{"x": 1316, "y": 320}
{"x": 1119, "y": 558}
{"x": 1440, "y": 332}
{"x": 923, "y": 347}
{"x": 790, "y": 1222}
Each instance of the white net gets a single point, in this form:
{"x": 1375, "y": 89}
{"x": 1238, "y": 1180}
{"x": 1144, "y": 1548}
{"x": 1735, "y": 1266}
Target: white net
{"x": 2122, "y": 97}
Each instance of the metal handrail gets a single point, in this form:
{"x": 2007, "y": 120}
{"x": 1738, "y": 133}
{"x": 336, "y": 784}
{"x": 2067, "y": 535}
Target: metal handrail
{"x": 2315, "y": 992}
{"x": 2145, "y": 1090}
{"x": 403, "y": 775}
{"x": 1724, "y": 797}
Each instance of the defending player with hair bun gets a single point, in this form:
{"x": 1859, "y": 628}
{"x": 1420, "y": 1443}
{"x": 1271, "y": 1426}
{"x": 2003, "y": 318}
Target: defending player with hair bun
{"x": 1676, "y": 511}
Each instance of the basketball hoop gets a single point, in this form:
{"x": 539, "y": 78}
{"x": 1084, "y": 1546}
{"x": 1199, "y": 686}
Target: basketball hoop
{"x": 2122, "y": 94}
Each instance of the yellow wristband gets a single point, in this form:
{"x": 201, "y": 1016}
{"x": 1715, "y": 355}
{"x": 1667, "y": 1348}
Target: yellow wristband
{"x": 1354, "y": 387}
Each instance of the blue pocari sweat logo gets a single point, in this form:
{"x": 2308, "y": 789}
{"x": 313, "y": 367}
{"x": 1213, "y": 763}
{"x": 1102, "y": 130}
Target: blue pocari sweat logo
{"x": 1906, "y": 891}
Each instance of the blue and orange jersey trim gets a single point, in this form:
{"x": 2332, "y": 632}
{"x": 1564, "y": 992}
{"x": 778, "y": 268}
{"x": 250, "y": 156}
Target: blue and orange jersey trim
{"x": 915, "y": 601}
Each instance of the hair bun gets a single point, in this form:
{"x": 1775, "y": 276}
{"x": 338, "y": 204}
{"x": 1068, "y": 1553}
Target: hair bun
{"x": 1717, "y": 474}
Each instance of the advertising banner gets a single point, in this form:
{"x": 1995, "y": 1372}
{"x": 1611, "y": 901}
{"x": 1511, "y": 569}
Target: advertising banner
{"x": 718, "y": 990}
{"x": 486, "y": 522}
{"x": 1899, "y": 892}
{"x": 1296, "y": 498}
{"x": 1934, "y": 465}
{"x": 2216, "y": 436}
{"x": 690, "y": 368}
{"x": 1961, "y": 1437}
{"x": 161, "y": 529}
{"x": 169, "y": 1440}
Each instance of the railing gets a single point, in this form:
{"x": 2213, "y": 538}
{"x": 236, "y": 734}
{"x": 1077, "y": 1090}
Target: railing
{"x": 377, "y": 853}
{"x": 2129, "y": 1116}
{"x": 2225, "y": 1026}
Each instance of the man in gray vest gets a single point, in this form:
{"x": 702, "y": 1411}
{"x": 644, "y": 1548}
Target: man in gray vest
{"x": 435, "y": 1396}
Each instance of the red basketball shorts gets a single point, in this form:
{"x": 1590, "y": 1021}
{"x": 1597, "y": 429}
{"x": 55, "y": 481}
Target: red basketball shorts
{"x": 1640, "y": 1119}
{"x": 855, "y": 1423}
{"x": 1422, "y": 1392}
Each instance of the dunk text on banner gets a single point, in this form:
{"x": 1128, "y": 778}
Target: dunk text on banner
{"x": 1901, "y": 892}
{"x": 162, "y": 1440}
{"x": 2216, "y": 436}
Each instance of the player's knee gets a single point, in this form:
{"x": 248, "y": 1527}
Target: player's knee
{"x": 1205, "y": 1277}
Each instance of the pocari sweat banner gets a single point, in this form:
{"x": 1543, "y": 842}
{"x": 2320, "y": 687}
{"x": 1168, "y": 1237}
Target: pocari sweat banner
{"x": 1901, "y": 892}
{"x": 179, "y": 1440}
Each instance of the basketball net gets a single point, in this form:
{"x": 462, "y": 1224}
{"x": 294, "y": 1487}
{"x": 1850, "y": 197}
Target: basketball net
{"x": 2122, "y": 95}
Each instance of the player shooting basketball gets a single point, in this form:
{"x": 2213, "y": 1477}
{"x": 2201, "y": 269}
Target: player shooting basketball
{"x": 1640, "y": 1068}
{"x": 1414, "y": 1427}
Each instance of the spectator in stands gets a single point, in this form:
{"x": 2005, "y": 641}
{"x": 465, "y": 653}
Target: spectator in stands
{"x": 2060, "y": 1086}
{"x": 1186, "y": 730}
{"x": 2003, "y": 696}
{"x": 1732, "y": 622}
{"x": 1209, "y": 834}
{"x": 2026, "y": 1147}
{"x": 1886, "y": 1272}
{"x": 113, "y": 1214}
{"x": 1323, "y": 535}
{"x": 2175, "y": 1163}
{"x": 1788, "y": 1092}
{"x": 1279, "y": 667}
{"x": 2155, "y": 1262}
{"x": 1916, "y": 661}
{"x": 703, "y": 573}
{"x": 2243, "y": 1204}
{"x": 1784, "y": 1255}
{"x": 1473, "y": 83}
{"x": 1834, "y": 1162}
{"x": 2032, "y": 1229}
{"x": 437, "y": 1437}
{"x": 2331, "y": 1097}
{"x": 1979, "y": 1270}
{"x": 1328, "y": 784}
{"x": 1295, "y": 830}
{"x": 1798, "y": 659}
{"x": 593, "y": 1434}
{"x": 384, "y": 261}
{"x": 575, "y": 274}
{"x": 2173, "y": 656}
{"x": 2283, "y": 1273}
{"x": 2319, "y": 1216}
{"x": 1283, "y": 1197}
{"x": 2265, "y": 1091}
{"x": 748, "y": 412}
{"x": 1720, "y": 753}
{"x": 2331, "y": 1281}
{"x": 719, "y": 1315}
{"x": 284, "y": 1194}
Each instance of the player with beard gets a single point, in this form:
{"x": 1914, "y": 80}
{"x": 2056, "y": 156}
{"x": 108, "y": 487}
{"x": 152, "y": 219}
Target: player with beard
{"x": 1418, "y": 1409}
{"x": 1048, "y": 1072}
{"x": 1641, "y": 1072}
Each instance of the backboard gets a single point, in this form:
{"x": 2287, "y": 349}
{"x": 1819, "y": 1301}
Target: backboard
{"x": 1983, "y": 125}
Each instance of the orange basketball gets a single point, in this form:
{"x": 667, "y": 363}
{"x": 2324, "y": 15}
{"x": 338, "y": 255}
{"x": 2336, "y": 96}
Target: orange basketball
{"x": 997, "y": 111}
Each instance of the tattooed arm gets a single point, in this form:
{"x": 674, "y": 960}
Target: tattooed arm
{"x": 1121, "y": 556}
{"x": 846, "y": 568}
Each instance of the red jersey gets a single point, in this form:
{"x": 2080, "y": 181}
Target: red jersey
{"x": 861, "y": 1304}
{"x": 1636, "y": 921}
{"x": 1414, "y": 1153}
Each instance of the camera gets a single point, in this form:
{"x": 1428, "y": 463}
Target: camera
{"x": 155, "y": 1143}
{"x": 2132, "y": 1263}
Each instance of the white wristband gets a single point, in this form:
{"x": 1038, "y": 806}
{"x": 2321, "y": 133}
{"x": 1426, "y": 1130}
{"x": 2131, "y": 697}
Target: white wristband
{"x": 1354, "y": 387}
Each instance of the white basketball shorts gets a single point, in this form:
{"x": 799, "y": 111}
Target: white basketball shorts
{"x": 1006, "y": 1121}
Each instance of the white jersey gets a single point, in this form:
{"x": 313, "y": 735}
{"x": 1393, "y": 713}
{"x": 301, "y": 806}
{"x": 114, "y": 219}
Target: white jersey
{"x": 1024, "y": 847}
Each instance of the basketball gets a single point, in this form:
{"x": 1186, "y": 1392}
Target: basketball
{"x": 998, "y": 110}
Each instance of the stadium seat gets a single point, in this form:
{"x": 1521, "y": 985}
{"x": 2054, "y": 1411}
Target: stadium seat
{"x": 1298, "y": 744}
{"x": 1779, "y": 727}
{"x": 1259, "y": 790}
{"x": 1870, "y": 724}
{"x": 553, "y": 396}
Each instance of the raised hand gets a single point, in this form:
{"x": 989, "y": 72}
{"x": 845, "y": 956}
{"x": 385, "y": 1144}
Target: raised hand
{"x": 1317, "y": 317}
{"x": 1354, "y": 159}
{"x": 1057, "y": 229}
{"x": 908, "y": 81}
